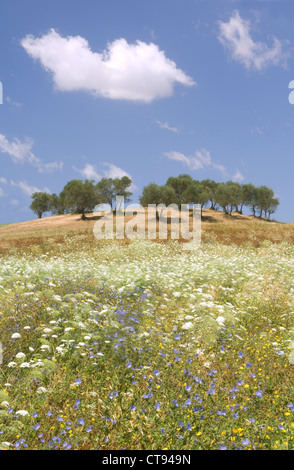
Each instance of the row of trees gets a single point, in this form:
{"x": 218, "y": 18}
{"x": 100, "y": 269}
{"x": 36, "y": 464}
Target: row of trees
{"x": 82, "y": 196}
{"x": 230, "y": 196}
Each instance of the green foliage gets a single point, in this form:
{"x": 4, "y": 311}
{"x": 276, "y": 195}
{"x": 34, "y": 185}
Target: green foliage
{"x": 151, "y": 195}
{"x": 230, "y": 196}
{"x": 179, "y": 184}
{"x": 80, "y": 196}
{"x": 109, "y": 189}
{"x": 40, "y": 203}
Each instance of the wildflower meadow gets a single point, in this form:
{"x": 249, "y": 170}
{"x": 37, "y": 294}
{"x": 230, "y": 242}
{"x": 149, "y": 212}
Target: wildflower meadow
{"x": 144, "y": 345}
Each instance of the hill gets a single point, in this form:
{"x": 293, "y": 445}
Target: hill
{"x": 216, "y": 226}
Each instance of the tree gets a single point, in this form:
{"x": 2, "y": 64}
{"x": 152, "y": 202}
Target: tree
{"x": 248, "y": 196}
{"x": 196, "y": 193}
{"x": 40, "y": 203}
{"x": 105, "y": 191}
{"x": 80, "y": 196}
{"x": 272, "y": 207}
{"x": 56, "y": 205}
{"x": 151, "y": 194}
{"x": 228, "y": 196}
{"x": 235, "y": 192}
{"x": 223, "y": 197}
{"x": 179, "y": 184}
{"x": 265, "y": 200}
{"x": 109, "y": 188}
{"x": 120, "y": 188}
{"x": 161, "y": 196}
{"x": 211, "y": 187}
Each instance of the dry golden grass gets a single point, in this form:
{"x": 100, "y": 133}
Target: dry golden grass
{"x": 50, "y": 232}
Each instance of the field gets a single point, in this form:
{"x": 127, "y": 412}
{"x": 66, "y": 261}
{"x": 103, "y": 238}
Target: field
{"x": 143, "y": 345}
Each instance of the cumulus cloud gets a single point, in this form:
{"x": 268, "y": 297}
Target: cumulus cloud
{"x": 89, "y": 172}
{"x": 200, "y": 160}
{"x": 236, "y": 38}
{"x": 136, "y": 72}
{"x": 27, "y": 189}
{"x": 21, "y": 152}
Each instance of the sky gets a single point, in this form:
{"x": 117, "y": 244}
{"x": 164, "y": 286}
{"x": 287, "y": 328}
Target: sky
{"x": 107, "y": 88}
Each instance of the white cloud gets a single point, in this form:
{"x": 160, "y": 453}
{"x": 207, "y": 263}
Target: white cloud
{"x": 21, "y": 152}
{"x": 113, "y": 171}
{"x": 200, "y": 160}
{"x": 116, "y": 172}
{"x": 18, "y": 151}
{"x": 236, "y": 38}
{"x": 12, "y": 103}
{"x": 89, "y": 172}
{"x": 238, "y": 177}
{"x": 27, "y": 189}
{"x": 165, "y": 125}
{"x": 136, "y": 72}
{"x": 2, "y": 193}
{"x": 3, "y": 180}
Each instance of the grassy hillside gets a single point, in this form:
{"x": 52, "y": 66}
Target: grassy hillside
{"x": 48, "y": 233}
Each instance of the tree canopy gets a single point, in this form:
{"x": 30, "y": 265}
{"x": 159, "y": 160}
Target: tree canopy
{"x": 41, "y": 203}
{"x": 81, "y": 197}
{"x": 230, "y": 196}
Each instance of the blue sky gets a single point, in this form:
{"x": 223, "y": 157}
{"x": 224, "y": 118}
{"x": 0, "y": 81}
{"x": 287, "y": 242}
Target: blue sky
{"x": 148, "y": 89}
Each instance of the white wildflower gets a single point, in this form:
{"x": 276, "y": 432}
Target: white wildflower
{"x": 15, "y": 336}
{"x": 220, "y": 320}
{"x": 187, "y": 326}
{"x": 4, "y": 444}
{"x": 20, "y": 355}
{"x": 22, "y": 413}
{"x": 60, "y": 349}
{"x": 47, "y": 330}
{"x": 177, "y": 294}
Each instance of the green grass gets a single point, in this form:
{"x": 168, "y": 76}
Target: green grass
{"x": 146, "y": 346}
